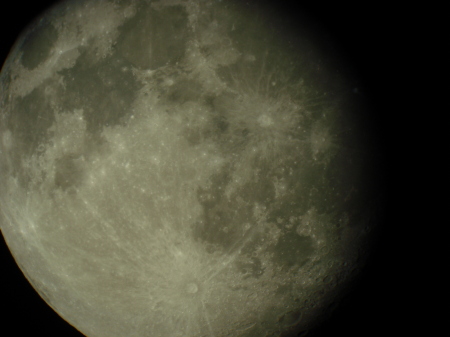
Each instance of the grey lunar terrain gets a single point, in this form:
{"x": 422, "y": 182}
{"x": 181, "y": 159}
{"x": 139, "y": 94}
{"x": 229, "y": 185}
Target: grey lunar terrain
{"x": 180, "y": 168}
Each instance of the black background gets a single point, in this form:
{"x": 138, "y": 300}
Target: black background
{"x": 366, "y": 37}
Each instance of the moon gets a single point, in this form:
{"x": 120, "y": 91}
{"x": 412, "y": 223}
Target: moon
{"x": 183, "y": 168}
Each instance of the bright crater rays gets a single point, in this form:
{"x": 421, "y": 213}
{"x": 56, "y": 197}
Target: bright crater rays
{"x": 168, "y": 172}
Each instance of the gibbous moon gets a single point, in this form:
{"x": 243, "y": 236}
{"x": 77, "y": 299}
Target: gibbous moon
{"x": 182, "y": 168}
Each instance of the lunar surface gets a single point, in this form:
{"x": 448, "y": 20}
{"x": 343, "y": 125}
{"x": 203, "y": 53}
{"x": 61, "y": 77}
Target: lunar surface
{"x": 181, "y": 168}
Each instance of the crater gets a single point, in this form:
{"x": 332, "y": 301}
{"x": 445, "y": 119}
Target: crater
{"x": 290, "y": 318}
{"x": 191, "y": 288}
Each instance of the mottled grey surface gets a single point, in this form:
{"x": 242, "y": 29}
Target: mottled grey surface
{"x": 178, "y": 168}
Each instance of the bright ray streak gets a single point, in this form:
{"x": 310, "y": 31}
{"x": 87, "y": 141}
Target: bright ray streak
{"x": 205, "y": 312}
{"x": 233, "y": 253}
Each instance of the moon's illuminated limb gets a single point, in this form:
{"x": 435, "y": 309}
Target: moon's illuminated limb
{"x": 167, "y": 172}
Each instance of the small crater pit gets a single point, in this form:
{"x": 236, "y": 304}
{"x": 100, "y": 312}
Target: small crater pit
{"x": 191, "y": 288}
